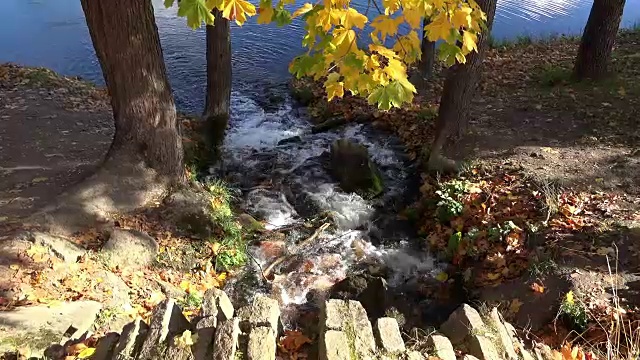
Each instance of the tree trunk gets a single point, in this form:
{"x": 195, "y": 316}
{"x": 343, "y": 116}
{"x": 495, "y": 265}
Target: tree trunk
{"x": 218, "y": 98}
{"x": 598, "y": 38}
{"x": 126, "y": 41}
{"x": 428, "y": 48}
{"x": 458, "y": 89}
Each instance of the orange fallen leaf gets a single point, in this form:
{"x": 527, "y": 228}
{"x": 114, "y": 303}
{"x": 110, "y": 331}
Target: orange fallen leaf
{"x": 293, "y": 341}
{"x": 537, "y": 288}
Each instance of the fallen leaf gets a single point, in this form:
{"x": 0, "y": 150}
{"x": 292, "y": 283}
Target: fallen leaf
{"x": 537, "y": 288}
{"x": 187, "y": 339}
{"x": 442, "y": 276}
{"x": 86, "y": 353}
{"x": 514, "y": 306}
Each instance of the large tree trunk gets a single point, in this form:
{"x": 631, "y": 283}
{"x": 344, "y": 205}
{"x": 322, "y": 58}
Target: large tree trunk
{"x": 127, "y": 44}
{"x": 218, "y": 98}
{"x": 598, "y": 38}
{"x": 459, "y": 87}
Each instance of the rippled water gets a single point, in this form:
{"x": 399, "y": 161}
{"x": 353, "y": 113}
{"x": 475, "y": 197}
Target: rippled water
{"x": 53, "y": 34}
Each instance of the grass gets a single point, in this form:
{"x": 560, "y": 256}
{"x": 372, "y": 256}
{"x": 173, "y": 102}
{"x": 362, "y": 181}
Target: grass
{"x": 554, "y": 75}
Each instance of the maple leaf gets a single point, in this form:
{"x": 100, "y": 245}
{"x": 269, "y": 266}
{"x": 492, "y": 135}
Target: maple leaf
{"x": 386, "y": 25}
{"x": 292, "y": 341}
{"x": 462, "y": 17}
{"x": 514, "y": 306}
{"x": 343, "y": 40}
{"x": 238, "y": 10}
{"x": 439, "y": 28}
{"x": 302, "y": 10}
{"x": 353, "y": 18}
{"x": 186, "y": 340}
{"x": 265, "y": 14}
{"x": 334, "y": 87}
{"x": 86, "y": 353}
{"x": 537, "y": 288}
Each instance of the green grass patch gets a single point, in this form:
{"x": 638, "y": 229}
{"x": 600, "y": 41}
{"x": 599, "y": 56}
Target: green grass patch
{"x": 553, "y": 76}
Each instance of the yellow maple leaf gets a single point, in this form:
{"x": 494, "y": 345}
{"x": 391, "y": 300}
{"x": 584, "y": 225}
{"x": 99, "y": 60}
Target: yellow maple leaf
{"x": 461, "y": 17}
{"x": 186, "y": 340}
{"x": 469, "y": 42}
{"x": 439, "y": 28}
{"x": 238, "y": 10}
{"x": 302, "y": 10}
{"x": 343, "y": 40}
{"x": 413, "y": 17}
{"x": 352, "y": 17}
{"x": 390, "y": 6}
{"x": 386, "y": 25}
{"x": 514, "y": 306}
{"x": 334, "y": 87}
{"x": 86, "y": 353}
{"x": 265, "y": 14}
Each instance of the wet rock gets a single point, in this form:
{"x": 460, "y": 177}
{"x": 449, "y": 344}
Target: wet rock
{"x": 106, "y": 345}
{"x": 370, "y": 291}
{"x": 250, "y": 224}
{"x": 352, "y": 167}
{"x": 302, "y": 94}
{"x": 483, "y": 348}
{"x": 290, "y": 140}
{"x": 262, "y": 344}
{"x": 58, "y": 245}
{"x": 40, "y": 326}
{"x": 441, "y": 347}
{"x": 334, "y": 345}
{"x": 226, "y": 340}
{"x": 130, "y": 248}
{"x": 265, "y": 311}
{"x": 329, "y": 124}
{"x": 216, "y": 303}
{"x": 166, "y": 321}
{"x": 461, "y": 323}
{"x": 505, "y": 340}
{"x": 130, "y": 340}
{"x": 389, "y": 337}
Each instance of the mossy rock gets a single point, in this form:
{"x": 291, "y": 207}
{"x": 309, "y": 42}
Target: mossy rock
{"x": 352, "y": 167}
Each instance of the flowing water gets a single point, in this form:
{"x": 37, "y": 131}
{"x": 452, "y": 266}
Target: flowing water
{"x": 282, "y": 184}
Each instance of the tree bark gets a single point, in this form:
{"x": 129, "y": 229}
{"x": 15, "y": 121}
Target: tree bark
{"x": 598, "y": 38}
{"x": 427, "y": 59}
{"x": 218, "y": 97}
{"x": 458, "y": 89}
{"x": 126, "y": 41}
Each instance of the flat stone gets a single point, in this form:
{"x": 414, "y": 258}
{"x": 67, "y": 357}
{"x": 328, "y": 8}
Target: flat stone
{"x": 40, "y": 326}
{"x": 217, "y": 303}
{"x": 334, "y": 345}
{"x": 166, "y": 321}
{"x": 505, "y": 340}
{"x": 351, "y": 318}
{"x": 483, "y": 348}
{"x": 335, "y": 314}
{"x": 389, "y": 337}
{"x": 58, "y": 245}
{"x": 414, "y": 355}
{"x": 262, "y": 344}
{"x": 130, "y": 340}
{"x": 441, "y": 346}
{"x": 130, "y": 248}
{"x": 265, "y": 311}
{"x": 206, "y": 330}
{"x": 226, "y": 340}
{"x": 106, "y": 345}
{"x": 461, "y": 323}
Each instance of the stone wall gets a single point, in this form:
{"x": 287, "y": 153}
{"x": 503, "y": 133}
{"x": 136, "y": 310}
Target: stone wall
{"x": 345, "y": 333}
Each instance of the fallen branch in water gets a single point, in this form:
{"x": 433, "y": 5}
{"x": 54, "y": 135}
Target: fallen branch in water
{"x": 267, "y": 272}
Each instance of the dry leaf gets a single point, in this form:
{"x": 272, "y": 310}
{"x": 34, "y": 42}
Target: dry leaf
{"x": 537, "y": 288}
{"x": 514, "y": 306}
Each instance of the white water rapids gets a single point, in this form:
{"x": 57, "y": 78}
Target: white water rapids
{"x": 272, "y": 176}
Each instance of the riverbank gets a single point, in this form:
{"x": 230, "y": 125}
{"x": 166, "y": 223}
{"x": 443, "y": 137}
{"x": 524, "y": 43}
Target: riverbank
{"x": 549, "y": 193}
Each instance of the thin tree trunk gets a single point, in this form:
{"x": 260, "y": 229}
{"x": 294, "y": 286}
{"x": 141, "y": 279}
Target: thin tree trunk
{"x": 428, "y": 48}
{"x": 126, "y": 41}
{"x": 598, "y": 38}
{"x": 218, "y": 97}
{"x": 459, "y": 87}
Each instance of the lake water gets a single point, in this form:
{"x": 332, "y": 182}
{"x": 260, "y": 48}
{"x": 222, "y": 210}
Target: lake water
{"x": 53, "y": 34}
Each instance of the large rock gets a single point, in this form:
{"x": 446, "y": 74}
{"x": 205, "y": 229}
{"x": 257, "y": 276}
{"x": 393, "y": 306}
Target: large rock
{"x": 265, "y": 311}
{"x": 59, "y": 246}
{"x": 37, "y": 327}
{"x": 130, "y": 340}
{"x": 370, "y": 291}
{"x": 130, "y": 248}
{"x": 483, "y": 348}
{"x": 389, "y": 337}
{"x": 354, "y": 170}
{"x": 226, "y": 340}
{"x": 462, "y": 323}
{"x": 334, "y": 345}
{"x": 350, "y": 318}
{"x": 191, "y": 211}
{"x": 504, "y": 338}
{"x": 262, "y": 344}
{"x": 167, "y": 321}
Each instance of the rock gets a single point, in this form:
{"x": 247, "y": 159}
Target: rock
{"x": 389, "y": 337}
{"x": 329, "y": 124}
{"x": 483, "y": 348}
{"x": 249, "y": 223}
{"x": 216, "y": 303}
{"x": 334, "y": 345}
{"x": 441, "y": 346}
{"x": 176, "y": 351}
{"x": 190, "y": 211}
{"x": 166, "y": 321}
{"x": 302, "y": 94}
{"x": 106, "y": 346}
{"x": 130, "y": 248}
{"x": 354, "y": 170}
{"x": 414, "y": 355}
{"x": 206, "y": 330}
{"x": 226, "y": 340}
{"x": 469, "y": 357}
{"x": 526, "y": 355}
{"x": 130, "y": 340}
{"x": 40, "y": 326}
{"x": 543, "y": 352}
{"x": 262, "y": 344}
{"x": 58, "y": 245}
{"x": 505, "y": 340}
{"x": 461, "y": 323}
{"x": 290, "y": 140}
{"x": 265, "y": 311}
{"x": 370, "y": 291}
{"x": 351, "y": 318}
